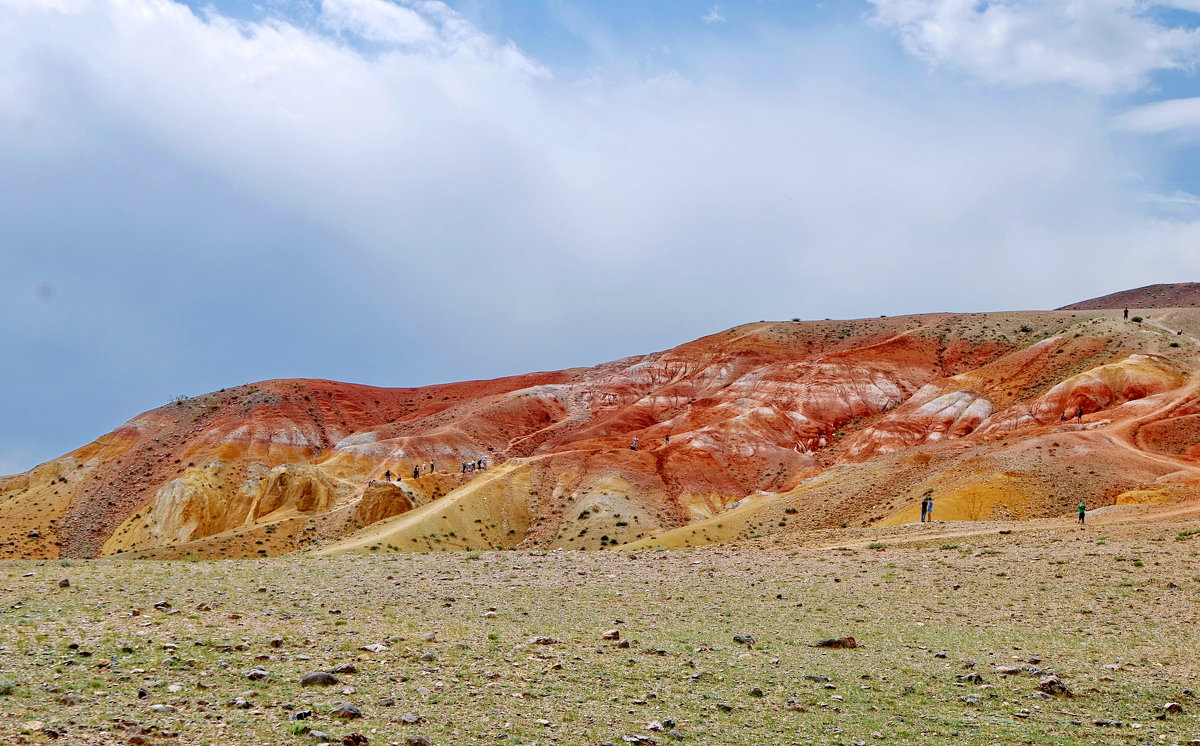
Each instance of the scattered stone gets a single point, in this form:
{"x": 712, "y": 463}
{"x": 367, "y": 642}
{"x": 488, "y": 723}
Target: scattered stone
{"x": 1008, "y": 670}
{"x": 724, "y": 707}
{"x": 1173, "y": 707}
{"x": 319, "y": 678}
{"x": 612, "y": 634}
{"x": 163, "y": 708}
{"x": 817, "y": 679}
{"x": 64, "y": 583}
{"x": 411, "y": 718}
{"x": 1054, "y": 686}
{"x": 972, "y": 699}
{"x": 429, "y": 637}
{"x": 355, "y": 739}
{"x": 346, "y": 711}
{"x": 344, "y": 668}
{"x": 375, "y": 648}
{"x": 301, "y": 715}
{"x": 744, "y": 639}
{"x": 319, "y": 735}
{"x": 636, "y": 738}
{"x": 542, "y": 640}
{"x": 756, "y": 692}
{"x": 1103, "y": 723}
{"x": 970, "y": 678}
{"x": 837, "y": 643}
{"x": 387, "y": 702}
{"x": 241, "y": 703}
{"x": 257, "y": 673}
{"x": 276, "y": 643}
{"x": 70, "y": 699}
{"x": 416, "y": 741}
{"x": 489, "y": 615}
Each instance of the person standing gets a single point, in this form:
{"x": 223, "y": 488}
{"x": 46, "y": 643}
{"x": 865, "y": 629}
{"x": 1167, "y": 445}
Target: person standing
{"x": 1082, "y": 512}
{"x": 388, "y": 475}
{"x": 924, "y": 507}
{"x": 929, "y": 509}
{"x": 1127, "y": 314}
{"x": 417, "y": 471}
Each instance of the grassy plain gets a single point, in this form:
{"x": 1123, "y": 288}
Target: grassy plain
{"x": 1113, "y": 611}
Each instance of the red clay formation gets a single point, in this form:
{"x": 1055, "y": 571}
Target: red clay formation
{"x": 774, "y": 429}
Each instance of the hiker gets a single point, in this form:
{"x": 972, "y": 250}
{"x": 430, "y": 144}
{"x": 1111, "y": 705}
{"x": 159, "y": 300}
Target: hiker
{"x": 929, "y": 510}
{"x": 1127, "y": 314}
{"x": 1080, "y": 414}
{"x": 634, "y": 444}
{"x": 1082, "y": 511}
{"x": 1178, "y": 332}
{"x": 667, "y": 438}
{"x": 924, "y": 507}
{"x": 417, "y": 471}
{"x": 1062, "y": 417}
{"x": 464, "y": 465}
{"x": 387, "y": 475}
{"x": 431, "y": 469}
{"x": 484, "y": 462}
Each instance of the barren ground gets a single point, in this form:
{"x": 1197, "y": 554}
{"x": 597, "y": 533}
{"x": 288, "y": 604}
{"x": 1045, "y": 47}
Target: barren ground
{"x": 1112, "y": 610}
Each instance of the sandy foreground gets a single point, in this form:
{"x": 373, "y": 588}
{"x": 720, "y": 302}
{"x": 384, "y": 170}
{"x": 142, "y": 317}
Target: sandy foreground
{"x": 958, "y": 629}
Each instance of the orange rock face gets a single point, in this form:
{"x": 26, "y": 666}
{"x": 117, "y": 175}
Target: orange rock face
{"x": 767, "y": 420}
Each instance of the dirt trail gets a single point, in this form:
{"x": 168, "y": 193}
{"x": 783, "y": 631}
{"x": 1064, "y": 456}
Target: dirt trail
{"x": 1129, "y": 514}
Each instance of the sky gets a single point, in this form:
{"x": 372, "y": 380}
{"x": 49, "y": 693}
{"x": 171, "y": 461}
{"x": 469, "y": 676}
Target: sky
{"x": 196, "y": 195}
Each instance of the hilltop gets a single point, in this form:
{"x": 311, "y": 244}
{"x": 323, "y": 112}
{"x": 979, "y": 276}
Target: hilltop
{"x": 766, "y": 432}
{"x": 1166, "y": 295}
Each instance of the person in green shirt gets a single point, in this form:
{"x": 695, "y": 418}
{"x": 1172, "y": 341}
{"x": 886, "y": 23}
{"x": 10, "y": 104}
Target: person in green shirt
{"x": 1082, "y": 511}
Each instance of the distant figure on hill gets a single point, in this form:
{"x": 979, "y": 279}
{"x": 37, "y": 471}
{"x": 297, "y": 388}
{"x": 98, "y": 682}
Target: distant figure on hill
{"x": 1080, "y": 413}
{"x": 417, "y": 471}
{"x": 1082, "y": 511}
{"x": 1179, "y": 332}
{"x": 484, "y": 462}
{"x": 1127, "y": 314}
{"x": 387, "y": 475}
{"x": 464, "y": 465}
{"x": 924, "y": 507}
{"x": 633, "y": 446}
{"x": 431, "y": 468}
{"x": 929, "y": 509}
{"x": 667, "y": 438}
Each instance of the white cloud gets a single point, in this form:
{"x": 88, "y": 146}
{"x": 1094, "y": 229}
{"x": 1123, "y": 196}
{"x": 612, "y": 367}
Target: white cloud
{"x": 464, "y": 212}
{"x": 1162, "y": 116}
{"x": 1100, "y": 46}
{"x": 713, "y": 15}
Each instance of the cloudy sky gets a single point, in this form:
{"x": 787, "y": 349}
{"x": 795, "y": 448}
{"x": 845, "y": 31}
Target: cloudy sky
{"x": 196, "y": 195}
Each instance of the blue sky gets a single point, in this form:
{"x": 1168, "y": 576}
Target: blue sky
{"x": 401, "y": 193}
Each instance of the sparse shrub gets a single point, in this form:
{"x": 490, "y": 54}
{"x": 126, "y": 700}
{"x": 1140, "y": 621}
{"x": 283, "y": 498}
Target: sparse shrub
{"x": 876, "y": 545}
{"x": 1136, "y": 319}
{"x": 7, "y": 688}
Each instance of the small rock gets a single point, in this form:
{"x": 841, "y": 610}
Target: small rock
{"x": 319, "y": 678}
{"x": 654, "y": 726}
{"x": 817, "y": 679}
{"x": 375, "y": 648}
{"x": 970, "y": 678}
{"x": 836, "y": 642}
{"x": 429, "y": 637}
{"x": 346, "y": 711}
{"x": 344, "y": 668}
{"x": 1173, "y": 707}
{"x": 257, "y": 674}
{"x": 489, "y": 615}
{"x": 1054, "y": 686}
{"x": 612, "y": 634}
{"x": 1103, "y": 723}
{"x": 1008, "y": 670}
{"x": 319, "y": 735}
{"x": 64, "y": 583}
{"x": 411, "y": 718}
{"x": 163, "y": 708}
{"x": 355, "y": 739}
{"x": 542, "y": 640}
{"x": 756, "y": 692}
{"x": 240, "y": 704}
{"x": 744, "y": 639}
{"x": 301, "y": 715}
{"x": 416, "y": 741}
{"x": 70, "y": 699}
{"x": 276, "y": 643}
{"x": 971, "y": 699}
{"x": 387, "y": 702}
